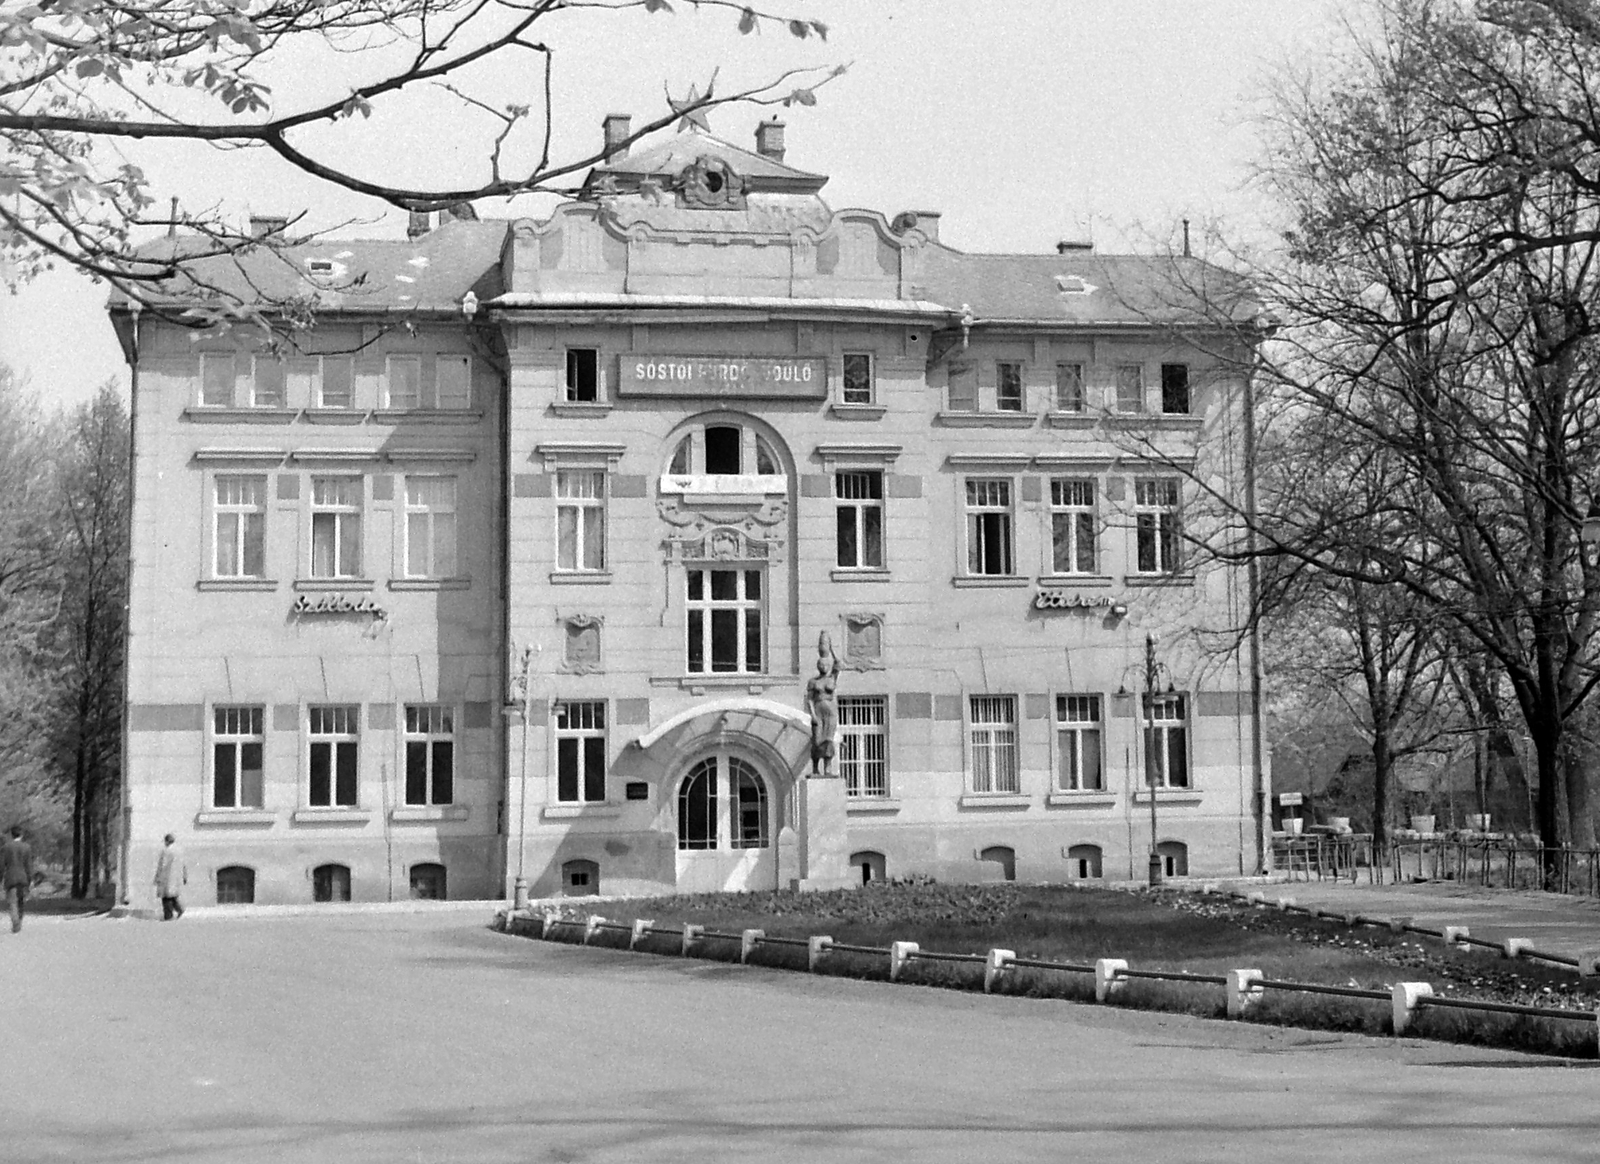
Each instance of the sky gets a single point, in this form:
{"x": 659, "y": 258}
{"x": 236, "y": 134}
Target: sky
{"x": 1021, "y": 121}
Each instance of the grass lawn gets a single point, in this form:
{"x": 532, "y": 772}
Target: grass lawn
{"x": 1151, "y": 931}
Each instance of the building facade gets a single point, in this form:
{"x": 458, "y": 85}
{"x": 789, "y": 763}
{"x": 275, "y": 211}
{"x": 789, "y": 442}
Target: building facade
{"x": 514, "y": 565}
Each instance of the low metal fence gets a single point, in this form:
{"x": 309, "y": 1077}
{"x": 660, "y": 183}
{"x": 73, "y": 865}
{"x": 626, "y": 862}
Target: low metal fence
{"x": 1493, "y": 862}
{"x": 1242, "y": 987}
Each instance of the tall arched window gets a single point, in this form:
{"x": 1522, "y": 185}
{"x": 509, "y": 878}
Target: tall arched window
{"x": 697, "y": 807}
{"x": 724, "y": 450}
{"x": 749, "y": 797}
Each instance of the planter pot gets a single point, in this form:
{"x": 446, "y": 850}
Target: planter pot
{"x": 1292, "y": 825}
{"x": 1422, "y": 823}
{"x": 1339, "y": 824}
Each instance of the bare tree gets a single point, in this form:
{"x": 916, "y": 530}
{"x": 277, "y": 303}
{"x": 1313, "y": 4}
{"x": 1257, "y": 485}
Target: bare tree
{"x": 86, "y": 636}
{"x": 77, "y": 78}
{"x": 1419, "y": 347}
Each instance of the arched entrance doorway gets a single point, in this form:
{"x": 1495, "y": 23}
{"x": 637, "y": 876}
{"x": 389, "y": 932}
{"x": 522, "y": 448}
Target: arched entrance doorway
{"x": 727, "y": 822}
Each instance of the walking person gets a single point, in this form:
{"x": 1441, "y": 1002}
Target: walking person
{"x": 16, "y": 874}
{"x": 171, "y": 876}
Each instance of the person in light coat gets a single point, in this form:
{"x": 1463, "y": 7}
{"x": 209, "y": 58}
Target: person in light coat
{"x": 171, "y": 876}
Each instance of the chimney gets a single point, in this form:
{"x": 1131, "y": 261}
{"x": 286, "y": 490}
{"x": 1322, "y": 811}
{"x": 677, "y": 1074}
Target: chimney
{"x": 261, "y": 225}
{"x": 460, "y": 212}
{"x": 616, "y": 131}
{"x": 419, "y": 223}
{"x": 769, "y": 139}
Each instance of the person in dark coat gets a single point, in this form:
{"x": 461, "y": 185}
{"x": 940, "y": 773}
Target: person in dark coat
{"x": 16, "y": 874}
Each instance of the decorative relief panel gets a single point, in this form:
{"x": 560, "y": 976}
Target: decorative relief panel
{"x": 863, "y": 641}
{"x": 581, "y": 653}
{"x": 723, "y": 534}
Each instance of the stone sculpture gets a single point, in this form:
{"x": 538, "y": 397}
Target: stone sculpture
{"x": 822, "y": 702}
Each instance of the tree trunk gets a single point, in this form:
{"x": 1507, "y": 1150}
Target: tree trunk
{"x": 1575, "y": 770}
{"x": 80, "y": 822}
{"x": 1548, "y": 746}
{"x": 1382, "y": 763}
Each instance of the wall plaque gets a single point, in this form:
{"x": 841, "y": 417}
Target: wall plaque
{"x": 762, "y": 377}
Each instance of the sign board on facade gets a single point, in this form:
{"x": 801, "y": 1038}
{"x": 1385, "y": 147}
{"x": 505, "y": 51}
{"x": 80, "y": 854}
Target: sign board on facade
{"x": 764, "y": 377}
{"x": 1073, "y": 600}
{"x": 337, "y": 604}
{"x": 1289, "y": 799}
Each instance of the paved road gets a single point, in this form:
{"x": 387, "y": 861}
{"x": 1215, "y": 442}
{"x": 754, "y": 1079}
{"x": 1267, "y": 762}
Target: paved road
{"x": 1557, "y": 923}
{"x": 424, "y": 1037}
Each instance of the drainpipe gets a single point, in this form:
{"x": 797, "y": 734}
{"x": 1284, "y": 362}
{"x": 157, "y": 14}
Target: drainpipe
{"x": 123, "y": 793}
{"x": 1259, "y": 790}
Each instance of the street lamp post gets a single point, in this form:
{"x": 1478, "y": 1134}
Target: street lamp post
{"x": 1152, "y": 676}
{"x": 522, "y": 692}
{"x": 1150, "y": 666}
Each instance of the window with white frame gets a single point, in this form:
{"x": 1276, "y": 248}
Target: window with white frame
{"x": 580, "y": 519}
{"x": 1130, "y": 387}
{"x": 1072, "y": 526}
{"x": 583, "y": 375}
{"x": 725, "y": 621}
{"x": 1175, "y": 389}
{"x": 266, "y": 385}
{"x": 1158, "y": 527}
{"x": 1008, "y": 394}
{"x": 962, "y": 395}
{"x": 336, "y": 527}
{"x": 859, "y": 519}
{"x": 336, "y": 382}
{"x": 217, "y": 374}
{"x": 403, "y": 383}
{"x": 430, "y": 527}
{"x": 452, "y": 378}
{"x": 240, "y": 516}
{"x": 863, "y": 745}
{"x": 858, "y": 387}
{"x": 332, "y": 765}
{"x": 1078, "y": 764}
{"x": 989, "y": 526}
{"x": 237, "y": 743}
{"x": 1069, "y": 388}
{"x": 992, "y": 731}
{"x": 1167, "y": 749}
{"x": 580, "y": 751}
{"x": 430, "y": 754}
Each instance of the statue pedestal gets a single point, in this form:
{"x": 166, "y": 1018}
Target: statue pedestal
{"x": 824, "y": 835}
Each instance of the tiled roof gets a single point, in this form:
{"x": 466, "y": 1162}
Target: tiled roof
{"x": 1082, "y": 287}
{"x": 434, "y": 273}
{"x": 430, "y": 273}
